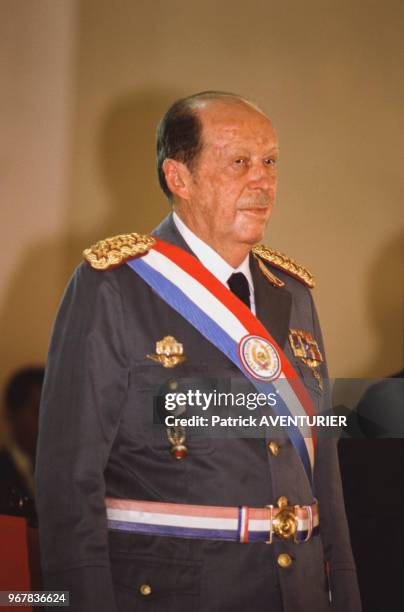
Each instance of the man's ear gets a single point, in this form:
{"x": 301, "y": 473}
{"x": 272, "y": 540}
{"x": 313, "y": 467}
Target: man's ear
{"x": 178, "y": 178}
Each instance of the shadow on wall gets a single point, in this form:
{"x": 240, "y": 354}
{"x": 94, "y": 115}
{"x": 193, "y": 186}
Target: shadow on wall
{"x": 385, "y": 307}
{"x": 126, "y": 158}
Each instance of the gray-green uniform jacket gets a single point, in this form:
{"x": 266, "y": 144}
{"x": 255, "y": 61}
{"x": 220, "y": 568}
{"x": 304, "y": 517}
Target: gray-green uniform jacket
{"x": 97, "y": 439}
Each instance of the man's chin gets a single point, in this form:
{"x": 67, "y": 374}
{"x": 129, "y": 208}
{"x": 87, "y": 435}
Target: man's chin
{"x": 254, "y": 222}
{"x": 253, "y": 233}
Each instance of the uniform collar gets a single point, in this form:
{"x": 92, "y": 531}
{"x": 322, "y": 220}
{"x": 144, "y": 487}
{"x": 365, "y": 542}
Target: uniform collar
{"x": 210, "y": 258}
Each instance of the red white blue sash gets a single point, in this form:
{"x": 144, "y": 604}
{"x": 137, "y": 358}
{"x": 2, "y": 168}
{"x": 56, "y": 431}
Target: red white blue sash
{"x": 186, "y": 285}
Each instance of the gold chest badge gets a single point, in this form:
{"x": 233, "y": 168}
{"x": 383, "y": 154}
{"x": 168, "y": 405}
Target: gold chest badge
{"x": 169, "y": 352}
{"x": 306, "y": 349}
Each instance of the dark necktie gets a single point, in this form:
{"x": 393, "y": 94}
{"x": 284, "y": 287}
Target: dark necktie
{"x": 239, "y": 286}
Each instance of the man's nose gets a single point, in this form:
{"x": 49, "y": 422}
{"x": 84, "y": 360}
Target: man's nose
{"x": 262, "y": 176}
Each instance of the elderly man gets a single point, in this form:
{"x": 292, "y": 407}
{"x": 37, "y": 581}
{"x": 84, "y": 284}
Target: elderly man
{"x": 134, "y": 515}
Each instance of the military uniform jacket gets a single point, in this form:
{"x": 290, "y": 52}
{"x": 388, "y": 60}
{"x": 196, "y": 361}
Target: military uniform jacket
{"x": 97, "y": 439}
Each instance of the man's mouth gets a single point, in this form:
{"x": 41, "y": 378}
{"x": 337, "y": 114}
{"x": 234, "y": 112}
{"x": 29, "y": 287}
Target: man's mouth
{"x": 256, "y": 210}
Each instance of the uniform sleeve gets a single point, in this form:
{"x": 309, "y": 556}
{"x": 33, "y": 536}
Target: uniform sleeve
{"x": 84, "y": 391}
{"x": 333, "y": 523}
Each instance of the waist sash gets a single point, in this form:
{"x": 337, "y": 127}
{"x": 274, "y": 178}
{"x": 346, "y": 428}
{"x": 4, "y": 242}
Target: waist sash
{"x": 242, "y": 524}
{"x": 186, "y": 285}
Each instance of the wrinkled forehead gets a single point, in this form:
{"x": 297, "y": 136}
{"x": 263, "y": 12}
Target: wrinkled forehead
{"x": 234, "y": 120}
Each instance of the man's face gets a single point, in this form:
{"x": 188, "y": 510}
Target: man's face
{"x": 233, "y": 183}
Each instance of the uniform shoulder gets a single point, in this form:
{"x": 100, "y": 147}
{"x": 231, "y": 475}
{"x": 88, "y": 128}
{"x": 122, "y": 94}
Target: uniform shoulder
{"x": 115, "y": 251}
{"x": 284, "y": 263}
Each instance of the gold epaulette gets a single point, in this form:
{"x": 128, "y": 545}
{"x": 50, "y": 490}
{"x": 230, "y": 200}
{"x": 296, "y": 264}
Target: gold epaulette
{"x": 115, "y": 251}
{"x": 284, "y": 263}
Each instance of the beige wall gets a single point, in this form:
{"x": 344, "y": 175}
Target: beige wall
{"x": 330, "y": 75}
{"x": 36, "y": 101}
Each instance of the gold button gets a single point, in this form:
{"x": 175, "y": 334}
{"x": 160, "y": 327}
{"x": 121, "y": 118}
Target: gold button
{"x": 273, "y": 447}
{"x": 282, "y": 501}
{"x": 173, "y": 385}
{"x": 145, "y": 589}
{"x": 284, "y": 560}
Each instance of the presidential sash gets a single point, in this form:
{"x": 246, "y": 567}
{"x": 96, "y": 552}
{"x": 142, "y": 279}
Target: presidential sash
{"x": 186, "y": 285}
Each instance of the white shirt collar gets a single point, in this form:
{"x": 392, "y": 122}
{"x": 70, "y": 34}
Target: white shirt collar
{"x": 212, "y": 260}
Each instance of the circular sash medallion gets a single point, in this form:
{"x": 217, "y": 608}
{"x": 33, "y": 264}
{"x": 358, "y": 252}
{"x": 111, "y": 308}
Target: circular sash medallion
{"x": 259, "y": 357}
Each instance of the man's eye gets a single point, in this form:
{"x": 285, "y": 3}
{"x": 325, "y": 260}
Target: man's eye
{"x": 240, "y": 161}
{"x": 270, "y": 161}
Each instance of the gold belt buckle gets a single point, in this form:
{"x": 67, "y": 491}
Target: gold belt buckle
{"x": 285, "y": 523}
